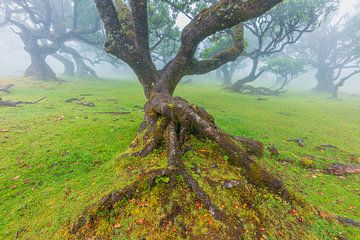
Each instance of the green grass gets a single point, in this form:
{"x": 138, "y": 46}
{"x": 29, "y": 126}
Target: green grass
{"x": 65, "y": 155}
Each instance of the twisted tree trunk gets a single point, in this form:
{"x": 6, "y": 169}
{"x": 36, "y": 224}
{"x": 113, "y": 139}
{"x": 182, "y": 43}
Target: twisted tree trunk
{"x": 39, "y": 69}
{"x": 253, "y": 75}
{"x": 163, "y": 111}
{"x": 238, "y": 85}
{"x": 82, "y": 70}
{"x": 69, "y": 67}
{"x": 170, "y": 121}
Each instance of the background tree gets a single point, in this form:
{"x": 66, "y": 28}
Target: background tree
{"x": 170, "y": 119}
{"x": 285, "y": 69}
{"x": 282, "y": 26}
{"x": 44, "y": 26}
{"x": 333, "y": 51}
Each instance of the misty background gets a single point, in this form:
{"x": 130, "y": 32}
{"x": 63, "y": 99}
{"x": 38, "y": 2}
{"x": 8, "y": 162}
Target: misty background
{"x": 13, "y": 61}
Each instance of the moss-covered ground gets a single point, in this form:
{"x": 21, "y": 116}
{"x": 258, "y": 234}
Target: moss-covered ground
{"x": 58, "y": 159}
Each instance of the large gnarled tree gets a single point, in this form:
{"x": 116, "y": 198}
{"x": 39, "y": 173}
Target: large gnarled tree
{"x": 171, "y": 120}
{"x": 334, "y": 52}
{"x": 44, "y": 26}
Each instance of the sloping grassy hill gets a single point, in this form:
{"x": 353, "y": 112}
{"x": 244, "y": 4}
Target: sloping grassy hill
{"x": 58, "y": 158}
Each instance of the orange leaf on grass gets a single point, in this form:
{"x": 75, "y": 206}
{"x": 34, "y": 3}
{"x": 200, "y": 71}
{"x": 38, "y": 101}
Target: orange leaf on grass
{"x": 117, "y": 225}
{"x": 15, "y": 178}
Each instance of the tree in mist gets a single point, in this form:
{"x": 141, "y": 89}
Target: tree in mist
{"x": 285, "y": 69}
{"x": 284, "y": 25}
{"x": 44, "y": 26}
{"x": 69, "y": 66}
{"x": 81, "y": 16}
{"x": 334, "y": 51}
{"x": 171, "y": 120}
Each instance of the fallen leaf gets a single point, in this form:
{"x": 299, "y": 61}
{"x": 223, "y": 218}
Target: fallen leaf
{"x": 132, "y": 201}
{"x": 281, "y": 233}
{"x": 15, "y": 178}
{"x": 293, "y": 211}
{"x": 13, "y": 187}
{"x": 142, "y": 204}
{"x": 60, "y": 118}
{"x": 198, "y": 204}
{"x": 117, "y": 225}
{"x": 4, "y": 131}
{"x": 141, "y": 220}
{"x": 323, "y": 214}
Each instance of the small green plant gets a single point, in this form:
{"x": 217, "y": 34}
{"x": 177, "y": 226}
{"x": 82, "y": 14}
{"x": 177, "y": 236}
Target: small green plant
{"x": 159, "y": 180}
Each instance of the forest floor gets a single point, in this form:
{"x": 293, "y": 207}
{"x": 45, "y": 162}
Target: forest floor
{"x": 58, "y": 158}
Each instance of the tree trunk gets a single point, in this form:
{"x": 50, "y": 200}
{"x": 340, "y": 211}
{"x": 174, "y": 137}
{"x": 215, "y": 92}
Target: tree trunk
{"x": 335, "y": 93}
{"x": 226, "y": 75}
{"x": 324, "y": 77}
{"x": 82, "y": 70}
{"x": 253, "y": 75}
{"x": 238, "y": 85}
{"x": 39, "y": 68}
{"x": 163, "y": 111}
{"x": 170, "y": 121}
{"x": 69, "y": 68}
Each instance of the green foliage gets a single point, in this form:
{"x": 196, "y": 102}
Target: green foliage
{"x": 159, "y": 180}
{"x": 285, "y": 66}
{"x": 164, "y": 34}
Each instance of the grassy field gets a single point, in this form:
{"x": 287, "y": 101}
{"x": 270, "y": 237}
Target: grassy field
{"x": 59, "y": 158}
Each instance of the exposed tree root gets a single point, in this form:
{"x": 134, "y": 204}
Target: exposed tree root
{"x": 169, "y": 122}
{"x": 262, "y": 91}
{"x": 342, "y": 220}
{"x": 6, "y": 88}
{"x": 16, "y": 103}
{"x": 348, "y": 221}
{"x": 342, "y": 169}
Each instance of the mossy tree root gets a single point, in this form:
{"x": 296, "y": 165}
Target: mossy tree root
{"x": 168, "y": 122}
{"x": 188, "y": 119}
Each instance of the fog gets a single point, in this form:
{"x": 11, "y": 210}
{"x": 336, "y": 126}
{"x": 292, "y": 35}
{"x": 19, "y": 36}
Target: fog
{"x": 14, "y": 59}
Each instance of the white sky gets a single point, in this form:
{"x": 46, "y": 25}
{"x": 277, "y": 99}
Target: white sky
{"x": 348, "y": 5}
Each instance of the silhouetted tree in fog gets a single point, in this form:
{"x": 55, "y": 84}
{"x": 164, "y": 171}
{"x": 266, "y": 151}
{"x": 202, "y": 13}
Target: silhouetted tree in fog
{"x": 334, "y": 51}
{"x": 44, "y": 27}
{"x": 282, "y": 26}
